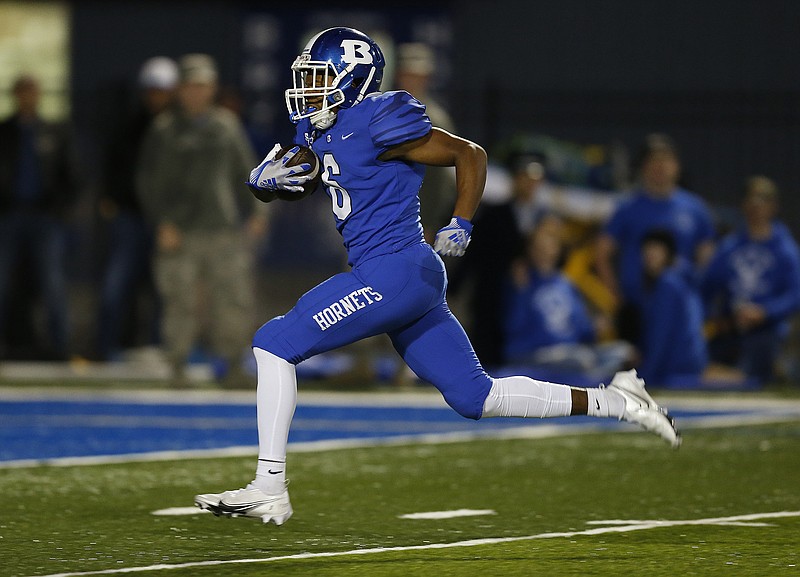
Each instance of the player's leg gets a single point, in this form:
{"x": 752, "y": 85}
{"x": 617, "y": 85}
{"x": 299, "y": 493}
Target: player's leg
{"x": 437, "y": 349}
{"x": 625, "y": 398}
{"x": 266, "y": 496}
{"x": 345, "y": 308}
{"x": 278, "y": 346}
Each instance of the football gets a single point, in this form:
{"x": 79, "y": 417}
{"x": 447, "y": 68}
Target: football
{"x": 303, "y": 156}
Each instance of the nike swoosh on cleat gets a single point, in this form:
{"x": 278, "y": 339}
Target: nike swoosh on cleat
{"x": 243, "y": 508}
{"x": 208, "y": 507}
{"x": 271, "y": 472}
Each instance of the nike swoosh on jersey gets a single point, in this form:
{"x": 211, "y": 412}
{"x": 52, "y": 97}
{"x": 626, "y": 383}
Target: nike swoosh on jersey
{"x": 346, "y": 136}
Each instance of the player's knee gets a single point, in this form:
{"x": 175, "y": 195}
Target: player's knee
{"x": 267, "y": 338}
{"x": 264, "y": 335}
{"x": 465, "y": 403}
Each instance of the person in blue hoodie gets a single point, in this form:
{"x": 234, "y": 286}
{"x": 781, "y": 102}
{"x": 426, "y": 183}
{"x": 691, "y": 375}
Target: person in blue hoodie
{"x": 752, "y": 285}
{"x": 672, "y": 344}
{"x": 548, "y": 325}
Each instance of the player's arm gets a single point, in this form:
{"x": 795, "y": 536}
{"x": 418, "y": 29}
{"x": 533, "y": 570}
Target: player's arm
{"x": 440, "y": 148}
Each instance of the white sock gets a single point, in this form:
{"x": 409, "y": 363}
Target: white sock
{"x": 605, "y": 403}
{"x": 526, "y": 397}
{"x": 276, "y": 398}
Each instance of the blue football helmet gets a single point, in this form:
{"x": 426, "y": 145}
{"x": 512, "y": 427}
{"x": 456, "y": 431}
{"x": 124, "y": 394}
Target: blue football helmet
{"x": 337, "y": 68}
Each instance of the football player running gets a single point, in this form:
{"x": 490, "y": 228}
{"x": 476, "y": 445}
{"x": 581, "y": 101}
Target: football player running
{"x": 374, "y": 147}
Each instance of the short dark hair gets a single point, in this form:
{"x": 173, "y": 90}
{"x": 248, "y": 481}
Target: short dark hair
{"x": 521, "y": 161}
{"x": 759, "y": 185}
{"x": 656, "y": 142}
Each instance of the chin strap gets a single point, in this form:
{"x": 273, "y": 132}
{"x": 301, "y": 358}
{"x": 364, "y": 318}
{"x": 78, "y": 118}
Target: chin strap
{"x": 323, "y": 119}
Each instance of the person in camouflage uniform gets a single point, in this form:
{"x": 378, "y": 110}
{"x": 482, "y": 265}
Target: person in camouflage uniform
{"x": 191, "y": 180}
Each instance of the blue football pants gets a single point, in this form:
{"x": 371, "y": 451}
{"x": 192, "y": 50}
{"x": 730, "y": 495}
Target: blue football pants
{"x": 401, "y": 294}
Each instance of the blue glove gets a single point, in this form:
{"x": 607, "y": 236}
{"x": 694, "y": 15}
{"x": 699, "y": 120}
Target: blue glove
{"x": 453, "y": 239}
{"x": 273, "y": 174}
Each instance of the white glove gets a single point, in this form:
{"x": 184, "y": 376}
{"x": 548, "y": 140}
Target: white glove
{"x": 453, "y": 239}
{"x": 273, "y": 174}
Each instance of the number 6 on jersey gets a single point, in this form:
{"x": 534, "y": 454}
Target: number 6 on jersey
{"x": 340, "y": 198}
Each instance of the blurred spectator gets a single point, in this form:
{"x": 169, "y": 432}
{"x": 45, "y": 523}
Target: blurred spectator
{"x": 658, "y": 203}
{"x": 752, "y": 285}
{"x": 497, "y": 240}
{"x": 128, "y": 269}
{"x": 191, "y": 181}
{"x": 229, "y": 97}
{"x": 38, "y": 185}
{"x": 548, "y": 324}
{"x": 672, "y": 346}
{"x": 415, "y": 67}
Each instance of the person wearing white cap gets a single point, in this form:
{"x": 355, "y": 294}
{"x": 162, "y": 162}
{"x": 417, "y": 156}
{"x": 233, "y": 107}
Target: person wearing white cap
{"x": 158, "y": 79}
{"x": 159, "y": 72}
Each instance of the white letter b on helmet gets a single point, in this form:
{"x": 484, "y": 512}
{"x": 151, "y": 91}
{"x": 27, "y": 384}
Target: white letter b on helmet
{"x": 356, "y": 52}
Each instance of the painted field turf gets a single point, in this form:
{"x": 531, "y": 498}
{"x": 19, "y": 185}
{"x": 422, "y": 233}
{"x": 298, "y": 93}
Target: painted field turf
{"x": 588, "y": 503}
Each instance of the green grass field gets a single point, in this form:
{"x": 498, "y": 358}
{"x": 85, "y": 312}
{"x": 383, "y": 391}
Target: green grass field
{"x": 547, "y": 495}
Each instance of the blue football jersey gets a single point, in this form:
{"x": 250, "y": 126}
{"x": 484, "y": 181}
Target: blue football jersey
{"x": 375, "y": 203}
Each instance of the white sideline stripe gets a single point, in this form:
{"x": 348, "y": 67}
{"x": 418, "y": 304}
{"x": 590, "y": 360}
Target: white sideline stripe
{"x": 425, "y": 397}
{"x": 385, "y": 426}
{"x": 617, "y": 528}
{"x": 515, "y": 432}
{"x": 522, "y": 432}
{"x": 244, "y": 451}
{"x": 88, "y": 421}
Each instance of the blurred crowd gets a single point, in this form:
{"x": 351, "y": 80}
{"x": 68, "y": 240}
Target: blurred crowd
{"x": 650, "y": 277}
{"x": 564, "y": 280}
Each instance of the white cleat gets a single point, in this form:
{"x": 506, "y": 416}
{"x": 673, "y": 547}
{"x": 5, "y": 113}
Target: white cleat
{"x": 248, "y": 502}
{"x": 210, "y": 501}
{"x": 640, "y": 408}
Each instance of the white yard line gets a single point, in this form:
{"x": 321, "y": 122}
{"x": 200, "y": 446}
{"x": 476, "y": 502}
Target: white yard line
{"x": 615, "y": 526}
{"x": 437, "y": 515}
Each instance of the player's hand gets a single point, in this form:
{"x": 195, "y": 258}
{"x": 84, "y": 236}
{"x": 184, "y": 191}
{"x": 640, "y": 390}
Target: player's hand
{"x": 453, "y": 239}
{"x": 273, "y": 174}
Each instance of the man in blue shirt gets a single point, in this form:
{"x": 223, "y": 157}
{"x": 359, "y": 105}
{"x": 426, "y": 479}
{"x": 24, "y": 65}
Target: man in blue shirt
{"x": 373, "y": 148}
{"x": 657, "y": 203}
{"x": 752, "y": 285}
